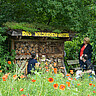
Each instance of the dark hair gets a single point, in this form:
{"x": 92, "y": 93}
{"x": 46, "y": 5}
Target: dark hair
{"x": 85, "y": 56}
{"x": 33, "y": 55}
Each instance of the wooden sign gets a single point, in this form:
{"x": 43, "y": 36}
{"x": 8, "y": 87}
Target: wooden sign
{"x": 45, "y": 34}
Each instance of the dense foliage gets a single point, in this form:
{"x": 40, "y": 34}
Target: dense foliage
{"x": 5, "y": 55}
{"x": 46, "y": 83}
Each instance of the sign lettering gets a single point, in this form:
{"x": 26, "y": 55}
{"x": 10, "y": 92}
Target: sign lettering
{"x": 45, "y": 34}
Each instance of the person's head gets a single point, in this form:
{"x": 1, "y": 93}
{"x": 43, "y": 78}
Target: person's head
{"x": 33, "y": 55}
{"x": 85, "y": 57}
{"x": 86, "y": 40}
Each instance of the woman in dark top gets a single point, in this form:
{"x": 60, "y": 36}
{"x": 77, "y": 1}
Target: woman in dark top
{"x": 86, "y": 48}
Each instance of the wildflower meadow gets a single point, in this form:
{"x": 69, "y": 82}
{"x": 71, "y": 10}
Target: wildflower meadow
{"x": 46, "y": 82}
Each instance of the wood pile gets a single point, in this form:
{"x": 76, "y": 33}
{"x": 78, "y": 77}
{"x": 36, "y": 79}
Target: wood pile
{"x": 45, "y": 51}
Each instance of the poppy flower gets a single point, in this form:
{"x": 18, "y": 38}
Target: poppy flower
{"x": 22, "y": 76}
{"x": 55, "y": 70}
{"x": 68, "y": 84}
{"x": 78, "y": 84}
{"x": 40, "y": 68}
{"x": 50, "y": 80}
{"x": 94, "y": 85}
{"x": 54, "y": 64}
{"x": 0, "y": 66}
{"x": 55, "y": 86}
{"x": 9, "y": 62}
{"x": 71, "y": 72}
{"x": 67, "y": 74}
{"x": 33, "y": 80}
{"x": 23, "y": 95}
{"x": 21, "y": 89}
{"x": 14, "y": 76}
{"x": 46, "y": 67}
{"x": 62, "y": 87}
{"x": 70, "y": 78}
{"x": 0, "y": 70}
{"x": 4, "y": 79}
{"x": 90, "y": 84}
{"x": 75, "y": 79}
{"x": 47, "y": 70}
{"x": 94, "y": 92}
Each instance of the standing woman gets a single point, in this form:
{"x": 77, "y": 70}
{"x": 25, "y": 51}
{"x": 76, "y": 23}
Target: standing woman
{"x": 86, "y": 48}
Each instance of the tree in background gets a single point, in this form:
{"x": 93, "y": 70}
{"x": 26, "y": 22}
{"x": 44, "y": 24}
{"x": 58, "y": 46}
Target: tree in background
{"x": 67, "y": 15}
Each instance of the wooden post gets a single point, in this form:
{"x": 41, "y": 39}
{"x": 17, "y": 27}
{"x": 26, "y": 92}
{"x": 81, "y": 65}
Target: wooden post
{"x": 63, "y": 61}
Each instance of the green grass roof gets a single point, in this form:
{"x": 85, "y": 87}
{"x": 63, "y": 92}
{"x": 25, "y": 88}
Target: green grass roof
{"x": 32, "y": 27}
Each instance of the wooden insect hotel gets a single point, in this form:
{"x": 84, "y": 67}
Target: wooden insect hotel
{"x": 48, "y": 46}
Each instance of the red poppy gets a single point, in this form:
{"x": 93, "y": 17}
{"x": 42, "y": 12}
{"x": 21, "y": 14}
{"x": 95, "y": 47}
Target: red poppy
{"x": 9, "y": 62}
{"x": 62, "y": 87}
{"x": 68, "y": 75}
{"x": 33, "y": 80}
{"x": 14, "y": 76}
{"x": 50, "y": 80}
{"x": 55, "y": 86}
{"x": 90, "y": 84}
{"x": 46, "y": 67}
{"x": 68, "y": 84}
{"x": 23, "y": 95}
{"x": 71, "y": 71}
{"x": 22, "y": 76}
{"x": 75, "y": 79}
{"x": 21, "y": 89}
{"x": 94, "y": 92}
{"x": 4, "y": 79}
{"x": 94, "y": 85}
{"x": 47, "y": 70}
{"x": 78, "y": 84}
{"x": 0, "y": 70}
{"x": 55, "y": 70}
